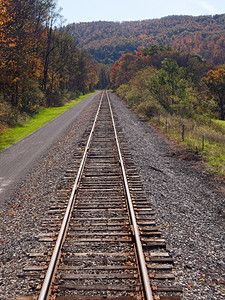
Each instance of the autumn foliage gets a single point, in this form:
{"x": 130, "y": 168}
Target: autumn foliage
{"x": 215, "y": 80}
{"x": 40, "y": 64}
{"x": 107, "y": 41}
{"x": 162, "y": 80}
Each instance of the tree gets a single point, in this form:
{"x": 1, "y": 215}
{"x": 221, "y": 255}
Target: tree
{"x": 173, "y": 74}
{"x": 104, "y": 80}
{"x": 215, "y": 81}
{"x": 40, "y": 64}
{"x": 123, "y": 70}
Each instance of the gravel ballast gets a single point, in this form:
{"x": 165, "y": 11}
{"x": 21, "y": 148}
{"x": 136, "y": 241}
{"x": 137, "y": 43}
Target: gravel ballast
{"x": 188, "y": 209}
{"x": 22, "y": 212}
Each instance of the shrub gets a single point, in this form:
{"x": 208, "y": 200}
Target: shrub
{"x": 134, "y": 99}
{"x": 122, "y": 91}
{"x": 150, "y": 109}
{"x": 31, "y": 97}
{"x": 8, "y": 114}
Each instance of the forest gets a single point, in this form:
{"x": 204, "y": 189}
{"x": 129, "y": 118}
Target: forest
{"x": 40, "y": 64}
{"x": 179, "y": 93}
{"x": 170, "y": 69}
{"x": 175, "y": 82}
{"x": 107, "y": 41}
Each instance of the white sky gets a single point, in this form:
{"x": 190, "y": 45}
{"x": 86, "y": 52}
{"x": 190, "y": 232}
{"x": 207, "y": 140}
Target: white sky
{"x": 133, "y": 10}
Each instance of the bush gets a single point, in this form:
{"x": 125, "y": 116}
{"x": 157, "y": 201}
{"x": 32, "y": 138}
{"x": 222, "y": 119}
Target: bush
{"x": 122, "y": 91}
{"x": 31, "y": 97}
{"x": 8, "y": 115}
{"x": 59, "y": 98}
{"x": 74, "y": 94}
{"x": 134, "y": 99}
{"x": 150, "y": 109}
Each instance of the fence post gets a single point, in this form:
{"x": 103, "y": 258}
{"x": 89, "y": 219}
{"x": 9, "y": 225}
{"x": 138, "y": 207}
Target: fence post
{"x": 203, "y": 142}
{"x": 183, "y": 130}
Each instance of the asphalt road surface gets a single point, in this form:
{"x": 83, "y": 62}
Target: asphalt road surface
{"x": 16, "y": 160}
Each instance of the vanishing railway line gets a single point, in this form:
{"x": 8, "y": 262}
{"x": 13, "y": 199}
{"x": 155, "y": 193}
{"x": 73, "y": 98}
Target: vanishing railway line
{"x": 108, "y": 246}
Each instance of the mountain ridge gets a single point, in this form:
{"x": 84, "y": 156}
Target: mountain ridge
{"x": 108, "y": 40}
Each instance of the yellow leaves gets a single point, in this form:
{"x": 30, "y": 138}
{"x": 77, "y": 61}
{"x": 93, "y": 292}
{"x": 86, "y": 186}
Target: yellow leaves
{"x": 125, "y": 228}
{"x": 12, "y": 45}
{"x": 16, "y": 79}
{"x": 11, "y": 213}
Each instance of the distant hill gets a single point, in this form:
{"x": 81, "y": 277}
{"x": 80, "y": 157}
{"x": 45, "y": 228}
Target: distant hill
{"x": 107, "y": 41}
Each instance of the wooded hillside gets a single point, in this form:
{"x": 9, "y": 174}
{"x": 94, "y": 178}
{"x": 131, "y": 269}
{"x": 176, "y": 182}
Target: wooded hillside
{"x": 40, "y": 64}
{"x": 107, "y": 41}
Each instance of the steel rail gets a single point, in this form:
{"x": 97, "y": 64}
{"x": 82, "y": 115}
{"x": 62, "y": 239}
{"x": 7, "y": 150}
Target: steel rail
{"x": 144, "y": 272}
{"x": 55, "y": 256}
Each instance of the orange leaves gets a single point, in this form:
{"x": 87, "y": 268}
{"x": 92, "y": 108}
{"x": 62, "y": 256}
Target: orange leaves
{"x": 215, "y": 81}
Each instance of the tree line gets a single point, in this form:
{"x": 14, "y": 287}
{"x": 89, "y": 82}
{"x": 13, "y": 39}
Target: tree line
{"x": 40, "y": 63}
{"x": 162, "y": 80}
{"x": 107, "y": 41}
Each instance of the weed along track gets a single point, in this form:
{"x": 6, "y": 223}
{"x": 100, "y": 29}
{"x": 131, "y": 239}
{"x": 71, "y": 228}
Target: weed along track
{"x": 109, "y": 246}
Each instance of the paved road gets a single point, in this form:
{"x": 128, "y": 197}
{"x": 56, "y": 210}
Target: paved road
{"x": 16, "y": 160}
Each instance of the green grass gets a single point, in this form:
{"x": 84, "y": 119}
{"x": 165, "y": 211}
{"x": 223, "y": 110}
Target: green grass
{"x": 219, "y": 125}
{"x": 220, "y": 122}
{"x": 45, "y": 115}
{"x": 207, "y": 140}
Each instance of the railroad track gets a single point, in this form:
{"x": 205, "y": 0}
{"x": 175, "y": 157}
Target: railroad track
{"x": 109, "y": 246}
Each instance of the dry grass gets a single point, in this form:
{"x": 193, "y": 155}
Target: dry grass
{"x": 206, "y": 140}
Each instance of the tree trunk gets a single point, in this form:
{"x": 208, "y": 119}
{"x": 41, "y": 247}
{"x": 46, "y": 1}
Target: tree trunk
{"x": 222, "y": 107}
{"x": 48, "y": 51}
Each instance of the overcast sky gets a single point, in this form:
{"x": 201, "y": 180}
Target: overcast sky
{"x": 133, "y": 10}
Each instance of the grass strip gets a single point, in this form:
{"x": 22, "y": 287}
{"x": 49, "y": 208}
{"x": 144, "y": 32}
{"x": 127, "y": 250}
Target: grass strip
{"x": 12, "y": 135}
{"x": 205, "y": 140}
